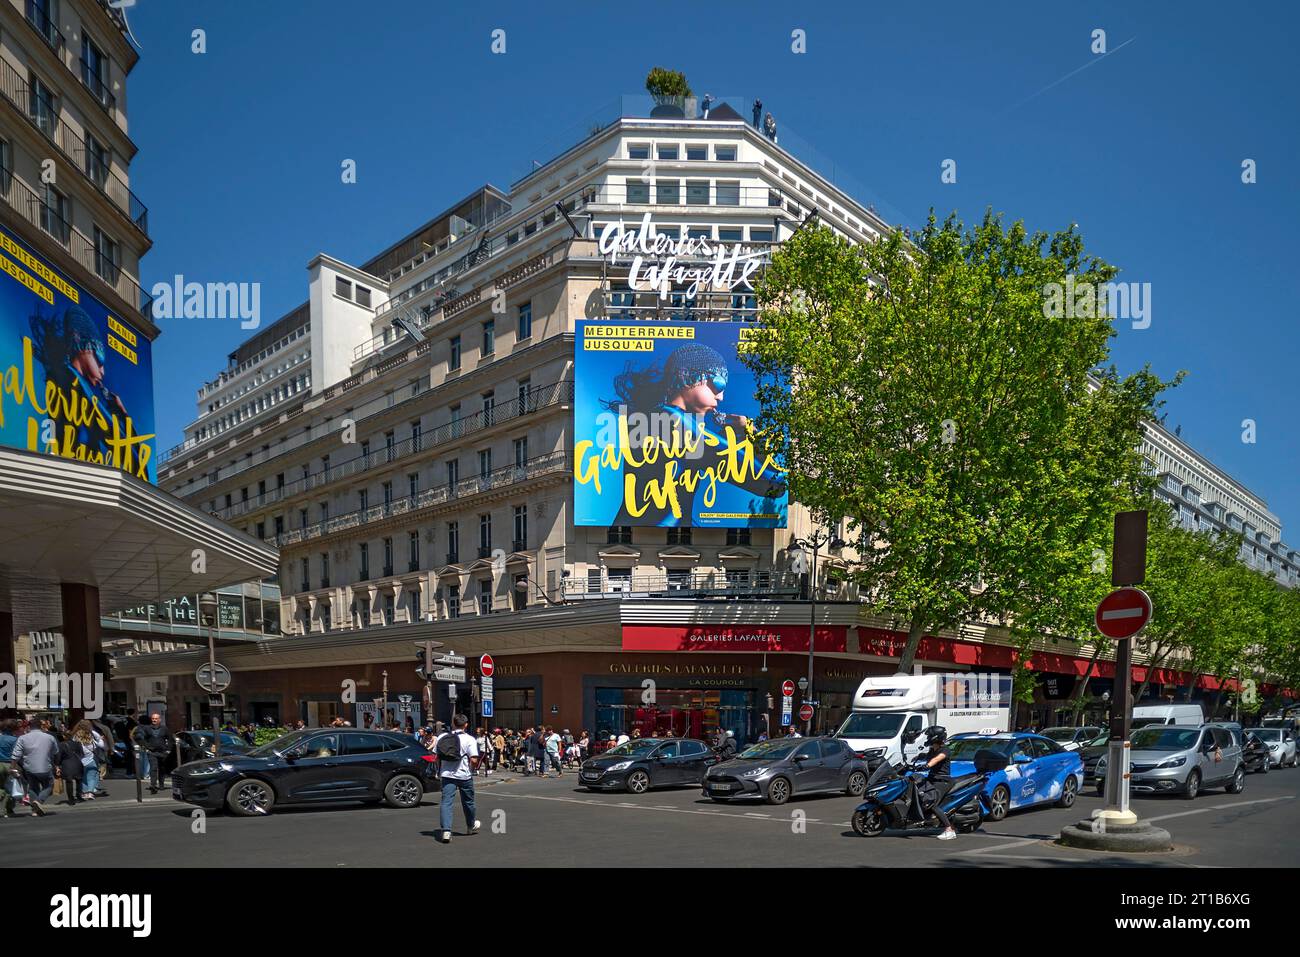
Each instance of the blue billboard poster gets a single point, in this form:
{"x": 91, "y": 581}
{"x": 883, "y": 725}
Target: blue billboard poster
{"x": 77, "y": 379}
{"x": 663, "y": 429}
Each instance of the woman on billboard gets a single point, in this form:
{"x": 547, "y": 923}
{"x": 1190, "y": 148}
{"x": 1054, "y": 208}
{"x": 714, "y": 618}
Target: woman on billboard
{"x": 681, "y": 403}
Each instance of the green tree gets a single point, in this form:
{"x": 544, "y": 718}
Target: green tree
{"x": 920, "y": 386}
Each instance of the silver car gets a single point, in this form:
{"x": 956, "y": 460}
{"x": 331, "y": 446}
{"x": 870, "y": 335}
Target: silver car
{"x": 1179, "y": 759}
{"x": 1281, "y": 746}
{"x": 783, "y": 767}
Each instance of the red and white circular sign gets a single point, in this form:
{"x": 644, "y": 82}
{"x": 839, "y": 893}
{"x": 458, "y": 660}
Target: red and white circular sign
{"x": 1124, "y": 612}
{"x": 787, "y": 688}
{"x": 805, "y": 712}
{"x": 486, "y": 666}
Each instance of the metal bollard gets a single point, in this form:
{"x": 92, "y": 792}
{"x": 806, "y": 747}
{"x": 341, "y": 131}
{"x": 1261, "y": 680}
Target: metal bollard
{"x": 139, "y": 766}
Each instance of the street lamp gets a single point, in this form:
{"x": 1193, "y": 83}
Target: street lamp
{"x": 208, "y": 612}
{"x": 813, "y": 543}
{"x": 522, "y": 583}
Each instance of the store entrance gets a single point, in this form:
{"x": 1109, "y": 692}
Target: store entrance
{"x": 685, "y": 713}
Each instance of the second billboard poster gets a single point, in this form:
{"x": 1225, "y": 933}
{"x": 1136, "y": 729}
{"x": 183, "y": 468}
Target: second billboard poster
{"x": 663, "y": 429}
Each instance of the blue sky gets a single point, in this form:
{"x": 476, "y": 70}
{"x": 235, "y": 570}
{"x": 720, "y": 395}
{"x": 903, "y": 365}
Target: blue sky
{"x": 240, "y": 150}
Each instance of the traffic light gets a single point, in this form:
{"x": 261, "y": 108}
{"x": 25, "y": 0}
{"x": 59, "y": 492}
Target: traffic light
{"x": 422, "y": 666}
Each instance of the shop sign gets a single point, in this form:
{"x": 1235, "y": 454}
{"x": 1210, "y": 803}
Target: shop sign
{"x": 620, "y": 667}
{"x": 769, "y": 638}
{"x": 658, "y": 263}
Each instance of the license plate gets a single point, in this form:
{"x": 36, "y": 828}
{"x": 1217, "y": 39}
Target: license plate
{"x": 176, "y": 793}
{"x": 719, "y": 787}
{"x": 588, "y": 776}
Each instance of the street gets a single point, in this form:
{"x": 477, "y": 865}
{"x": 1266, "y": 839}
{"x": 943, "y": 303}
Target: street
{"x": 527, "y": 822}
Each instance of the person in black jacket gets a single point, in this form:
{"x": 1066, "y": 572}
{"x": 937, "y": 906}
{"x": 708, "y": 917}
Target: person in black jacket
{"x": 157, "y": 741}
{"x": 71, "y": 767}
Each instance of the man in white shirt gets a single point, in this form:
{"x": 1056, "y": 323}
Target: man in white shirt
{"x": 457, "y": 774}
{"x": 623, "y": 739}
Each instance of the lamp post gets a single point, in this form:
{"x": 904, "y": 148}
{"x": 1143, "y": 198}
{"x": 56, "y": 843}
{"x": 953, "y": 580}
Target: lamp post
{"x": 813, "y": 543}
{"x": 208, "y": 611}
{"x": 522, "y": 583}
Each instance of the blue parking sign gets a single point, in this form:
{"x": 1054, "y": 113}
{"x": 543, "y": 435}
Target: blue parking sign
{"x": 785, "y": 719}
{"x": 487, "y": 707}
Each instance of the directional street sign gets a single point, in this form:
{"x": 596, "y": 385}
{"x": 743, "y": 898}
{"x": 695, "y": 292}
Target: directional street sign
{"x": 450, "y": 674}
{"x": 458, "y": 660}
{"x": 1123, "y": 613}
{"x": 204, "y": 678}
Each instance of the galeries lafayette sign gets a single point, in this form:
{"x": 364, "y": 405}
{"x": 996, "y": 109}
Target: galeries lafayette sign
{"x": 663, "y": 264}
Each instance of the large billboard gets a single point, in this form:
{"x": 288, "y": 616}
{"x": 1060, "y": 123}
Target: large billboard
{"x": 663, "y": 429}
{"x": 77, "y": 379}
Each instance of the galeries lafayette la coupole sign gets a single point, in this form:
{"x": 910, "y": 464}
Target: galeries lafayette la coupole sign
{"x": 655, "y": 261}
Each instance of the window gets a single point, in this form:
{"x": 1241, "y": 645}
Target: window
{"x": 525, "y": 327}
{"x": 365, "y": 453}
{"x": 679, "y": 535}
{"x": 413, "y": 485}
{"x": 388, "y": 609}
{"x": 363, "y": 499}
{"x": 365, "y": 560}
{"x": 324, "y": 511}
{"x": 774, "y": 198}
{"x": 342, "y": 287}
{"x": 484, "y": 464}
{"x": 302, "y": 518}
{"x": 521, "y": 528}
{"x": 390, "y": 440}
{"x": 306, "y": 574}
{"x": 523, "y": 397}
{"x": 453, "y": 542}
{"x": 697, "y": 153}
{"x": 417, "y": 433}
{"x": 453, "y": 360}
{"x": 485, "y": 534}
{"x": 388, "y": 556}
{"x": 485, "y": 597}
{"x": 724, "y": 154}
{"x": 453, "y": 474}
{"x": 620, "y": 535}
{"x": 324, "y": 569}
{"x": 7, "y": 167}
{"x": 98, "y": 161}
{"x": 489, "y": 337}
{"x": 279, "y": 525}
{"x": 363, "y": 744}
{"x": 387, "y": 488}
{"x": 489, "y": 403}
{"x": 728, "y": 192}
{"x": 699, "y": 232}
{"x": 689, "y": 747}
{"x": 453, "y": 601}
{"x": 94, "y": 71}
{"x": 638, "y": 151}
{"x": 363, "y": 296}
{"x": 521, "y": 452}
{"x": 757, "y": 235}
{"x": 108, "y": 257}
{"x": 730, "y": 235}
{"x": 638, "y": 192}
{"x": 42, "y": 106}
{"x": 54, "y": 214}
{"x": 668, "y": 191}
{"x": 668, "y": 151}
{"x": 738, "y": 536}
{"x": 697, "y": 192}
{"x": 413, "y": 552}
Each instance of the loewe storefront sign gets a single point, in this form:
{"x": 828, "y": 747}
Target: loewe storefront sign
{"x": 654, "y": 260}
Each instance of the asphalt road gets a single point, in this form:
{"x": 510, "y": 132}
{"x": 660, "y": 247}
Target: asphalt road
{"x": 529, "y": 822}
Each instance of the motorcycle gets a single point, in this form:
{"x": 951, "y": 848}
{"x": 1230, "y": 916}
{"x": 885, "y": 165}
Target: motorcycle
{"x": 893, "y": 800}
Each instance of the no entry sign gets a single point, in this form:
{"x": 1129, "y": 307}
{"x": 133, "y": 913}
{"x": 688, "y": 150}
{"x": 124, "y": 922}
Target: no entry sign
{"x": 486, "y": 666}
{"x": 1123, "y": 613}
{"x": 787, "y": 688}
{"x": 805, "y": 712}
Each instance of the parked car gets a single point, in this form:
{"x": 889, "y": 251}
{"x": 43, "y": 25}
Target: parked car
{"x": 1179, "y": 759}
{"x": 1091, "y": 752}
{"x": 1189, "y": 715}
{"x": 1255, "y": 755}
{"x": 1071, "y": 739}
{"x": 308, "y": 767}
{"x": 645, "y": 763}
{"x": 1281, "y": 746}
{"x": 1038, "y": 770}
{"x": 782, "y": 768}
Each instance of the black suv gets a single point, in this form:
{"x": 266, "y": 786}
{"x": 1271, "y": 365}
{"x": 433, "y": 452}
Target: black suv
{"x": 313, "y": 766}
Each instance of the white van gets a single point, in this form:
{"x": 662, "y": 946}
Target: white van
{"x": 1190, "y": 715}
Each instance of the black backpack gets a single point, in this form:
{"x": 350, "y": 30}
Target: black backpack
{"x": 448, "y": 747}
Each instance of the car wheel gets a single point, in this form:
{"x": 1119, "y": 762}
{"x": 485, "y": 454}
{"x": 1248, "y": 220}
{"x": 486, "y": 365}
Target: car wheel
{"x": 1101, "y": 787}
{"x": 778, "y": 791}
{"x": 1265, "y": 768}
{"x": 1193, "y": 785}
{"x": 248, "y": 797}
{"x": 1238, "y": 781}
{"x": 999, "y": 802}
{"x": 638, "y": 782}
{"x": 869, "y": 823}
{"x": 1069, "y": 792}
{"x": 857, "y": 784}
{"x": 404, "y": 790}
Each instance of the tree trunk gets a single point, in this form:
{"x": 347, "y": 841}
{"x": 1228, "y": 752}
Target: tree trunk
{"x": 915, "y": 632}
{"x": 1152, "y": 665}
{"x": 1082, "y": 686}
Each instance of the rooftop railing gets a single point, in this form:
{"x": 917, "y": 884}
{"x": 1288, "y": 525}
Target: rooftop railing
{"x": 688, "y": 585}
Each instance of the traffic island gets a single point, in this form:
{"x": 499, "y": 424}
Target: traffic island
{"x": 1101, "y": 834}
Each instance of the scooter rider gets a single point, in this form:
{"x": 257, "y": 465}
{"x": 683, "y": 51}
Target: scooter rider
{"x": 940, "y": 776}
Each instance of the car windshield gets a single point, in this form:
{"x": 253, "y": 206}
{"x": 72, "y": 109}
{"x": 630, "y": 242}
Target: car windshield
{"x": 864, "y": 724}
{"x": 1270, "y": 734}
{"x": 963, "y": 749}
{"x": 771, "y": 750}
{"x": 639, "y": 746}
{"x": 1164, "y": 739}
{"x": 1146, "y": 722}
{"x": 280, "y": 745}
{"x": 1058, "y": 734}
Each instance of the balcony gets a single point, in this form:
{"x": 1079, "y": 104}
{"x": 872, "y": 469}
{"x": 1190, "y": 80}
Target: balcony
{"x": 485, "y": 551}
{"x": 41, "y": 113}
{"x": 519, "y": 545}
{"x": 534, "y": 399}
{"x": 552, "y": 463}
{"x": 453, "y": 558}
{"x": 36, "y": 211}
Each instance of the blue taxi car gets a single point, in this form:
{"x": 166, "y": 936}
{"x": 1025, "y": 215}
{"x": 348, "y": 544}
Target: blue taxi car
{"x": 1039, "y": 770}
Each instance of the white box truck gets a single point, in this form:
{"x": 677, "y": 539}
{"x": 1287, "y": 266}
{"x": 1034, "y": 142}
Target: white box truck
{"x": 890, "y": 711}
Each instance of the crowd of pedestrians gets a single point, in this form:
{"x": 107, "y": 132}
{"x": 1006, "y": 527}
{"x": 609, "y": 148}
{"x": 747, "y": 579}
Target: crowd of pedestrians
{"x": 38, "y": 759}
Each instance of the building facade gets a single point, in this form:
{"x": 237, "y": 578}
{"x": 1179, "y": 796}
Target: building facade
{"x": 406, "y": 439}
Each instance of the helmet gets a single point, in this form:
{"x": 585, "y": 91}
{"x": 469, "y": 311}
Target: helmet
{"x": 935, "y": 735}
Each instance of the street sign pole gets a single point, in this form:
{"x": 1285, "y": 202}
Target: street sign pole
{"x": 1128, "y": 569}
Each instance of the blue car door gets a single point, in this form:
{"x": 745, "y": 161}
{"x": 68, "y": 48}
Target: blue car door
{"x": 1050, "y": 768}
{"x": 1021, "y": 773}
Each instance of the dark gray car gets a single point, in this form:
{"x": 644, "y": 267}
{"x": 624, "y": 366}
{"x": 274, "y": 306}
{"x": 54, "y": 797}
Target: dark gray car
{"x": 778, "y": 769}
